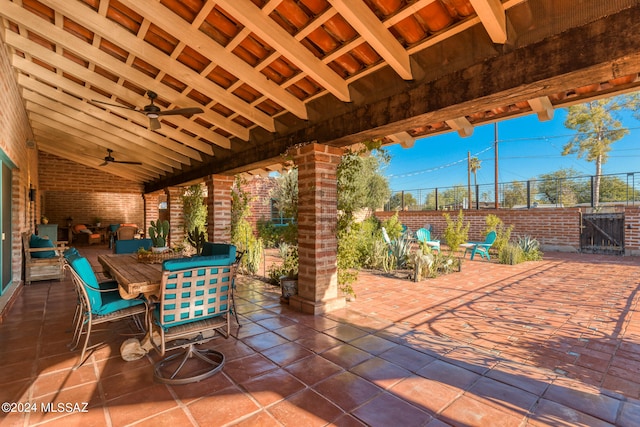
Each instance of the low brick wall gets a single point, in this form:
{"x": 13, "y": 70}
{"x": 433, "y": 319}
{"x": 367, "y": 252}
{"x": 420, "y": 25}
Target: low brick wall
{"x": 557, "y": 229}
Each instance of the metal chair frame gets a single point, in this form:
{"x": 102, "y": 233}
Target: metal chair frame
{"x": 84, "y": 318}
{"x": 199, "y": 299}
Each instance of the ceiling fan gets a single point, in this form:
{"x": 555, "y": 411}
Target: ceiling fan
{"x": 152, "y": 111}
{"x": 109, "y": 159}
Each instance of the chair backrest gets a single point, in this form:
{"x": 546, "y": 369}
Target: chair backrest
{"x": 491, "y": 237}
{"x": 85, "y": 280}
{"x": 385, "y": 236}
{"x": 49, "y": 231}
{"x": 209, "y": 248}
{"x": 423, "y": 235}
{"x": 131, "y": 246}
{"x": 197, "y": 291}
{"x": 126, "y": 232}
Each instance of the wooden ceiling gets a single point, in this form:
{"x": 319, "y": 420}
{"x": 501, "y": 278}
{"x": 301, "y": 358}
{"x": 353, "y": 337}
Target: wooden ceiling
{"x": 271, "y": 74}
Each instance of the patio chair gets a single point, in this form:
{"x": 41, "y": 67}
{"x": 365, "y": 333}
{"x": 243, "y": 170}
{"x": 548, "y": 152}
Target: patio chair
{"x": 481, "y": 248}
{"x": 423, "y": 235}
{"x": 48, "y": 231}
{"x": 126, "y": 232}
{"x": 98, "y": 303}
{"x": 193, "y": 308}
{"x": 43, "y": 258}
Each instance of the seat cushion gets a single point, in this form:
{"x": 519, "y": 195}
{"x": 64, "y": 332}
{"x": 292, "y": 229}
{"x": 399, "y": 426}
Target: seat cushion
{"x": 112, "y": 302}
{"x": 39, "y": 242}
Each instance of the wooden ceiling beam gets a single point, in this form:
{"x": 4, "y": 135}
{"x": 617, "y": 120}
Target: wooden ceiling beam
{"x": 143, "y": 50}
{"x": 91, "y": 78}
{"x": 95, "y": 55}
{"x": 210, "y": 49}
{"x": 268, "y": 30}
{"x": 365, "y": 22}
{"x": 57, "y": 147}
{"x": 461, "y": 125}
{"x": 80, "y": 120}
{"x": 493, "y": 17}
{"x": 95, "y": 112}
{"x": 42, "y": 121}
{"x": 542, "y": 107}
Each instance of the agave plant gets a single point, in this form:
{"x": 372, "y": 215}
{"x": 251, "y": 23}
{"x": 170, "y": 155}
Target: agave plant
{"x": 530, "y": 248}
{"x": 400, "y": 249}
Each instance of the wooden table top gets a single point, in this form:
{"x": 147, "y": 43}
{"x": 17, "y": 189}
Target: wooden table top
{"x": 133, "y": 277}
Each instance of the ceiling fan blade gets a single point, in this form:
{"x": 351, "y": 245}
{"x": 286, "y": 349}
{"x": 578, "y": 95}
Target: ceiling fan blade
{"x": 113, "y": 105}
{"x": 181, "y": 112}
{"x": 126, "y": 162}
{"x": 103, "y": 164}
{"x": 154, "y": 123}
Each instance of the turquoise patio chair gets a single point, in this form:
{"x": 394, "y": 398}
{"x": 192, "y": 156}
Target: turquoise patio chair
{"x": 423, "y": 235}
{"x": 481, "y": 248}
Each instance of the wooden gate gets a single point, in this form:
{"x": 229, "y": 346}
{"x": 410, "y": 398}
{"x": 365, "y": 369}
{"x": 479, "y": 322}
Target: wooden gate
{"x": 602, "y": 233}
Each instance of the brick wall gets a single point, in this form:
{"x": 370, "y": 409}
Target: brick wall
{"x": 260, "y": 190}
{"x": 71, "y": 189}
{"x": 23, "y": 161}
{"x": 556, "y": 229}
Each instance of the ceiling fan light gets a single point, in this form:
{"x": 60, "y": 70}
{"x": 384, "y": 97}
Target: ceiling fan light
{"x": 152, "y": 115}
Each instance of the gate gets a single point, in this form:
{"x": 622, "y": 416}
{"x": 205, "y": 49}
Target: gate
{"x": 602, "y": 233}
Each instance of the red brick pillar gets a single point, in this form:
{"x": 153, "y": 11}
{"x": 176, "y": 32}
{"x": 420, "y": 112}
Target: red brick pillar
{"x": 219, "y": 208}
{"x": 176, "y": 215}
{"x": 151, "y": 212}
{"x": 317, "y": 221}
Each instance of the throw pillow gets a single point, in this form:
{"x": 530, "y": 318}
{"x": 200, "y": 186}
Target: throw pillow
{"x": 39, "y": 242}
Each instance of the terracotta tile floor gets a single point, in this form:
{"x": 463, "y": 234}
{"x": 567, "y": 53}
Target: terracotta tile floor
{"x": 549, "y": 343}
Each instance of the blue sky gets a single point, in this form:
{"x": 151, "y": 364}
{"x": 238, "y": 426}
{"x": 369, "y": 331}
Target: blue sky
{"x": 527, "y": 148}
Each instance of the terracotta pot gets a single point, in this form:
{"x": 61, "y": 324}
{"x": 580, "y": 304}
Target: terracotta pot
{"x": 435, "y": 16}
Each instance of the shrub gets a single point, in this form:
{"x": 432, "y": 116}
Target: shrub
{"x": 456, "y": 231}
{"x": 511, "y": 254}
{"x": 530, "y": 248}
{"x": 393, "y": 227}
{"x": 503, "y": 235}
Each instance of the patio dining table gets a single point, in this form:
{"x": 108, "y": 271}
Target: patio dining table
{"x": 133, "y": 277}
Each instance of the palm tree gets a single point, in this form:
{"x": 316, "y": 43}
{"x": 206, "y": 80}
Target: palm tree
{"x": 474, "y": 165}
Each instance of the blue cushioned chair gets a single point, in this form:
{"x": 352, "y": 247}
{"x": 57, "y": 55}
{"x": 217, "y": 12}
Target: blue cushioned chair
{"x": 209, "y": 248}
{"x": 193, "y": 308}
{"x": 98, "y": 302}
{"x": 481, "y": 248}
{"x": 131, "y": 246}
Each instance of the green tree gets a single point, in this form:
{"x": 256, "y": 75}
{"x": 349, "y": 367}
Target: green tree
{"x": 598, "y": 127}
{"x": 558, "y": 187}
{"x": 514, "y": 194}
{"x": 474, "y": 166}
{"x": 400, "y": 200}
{"x": 285, "y": 194}
{"x": 194, "y": 208}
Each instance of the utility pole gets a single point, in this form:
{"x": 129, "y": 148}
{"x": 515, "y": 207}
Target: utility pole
{"x": 469, "y": 179}
{"x": 495, "y": 138}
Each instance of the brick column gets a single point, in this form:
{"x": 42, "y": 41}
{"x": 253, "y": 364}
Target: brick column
{"x": 219, "y": 208}
{"x": 176, "y": 215}
{"x": 150, "y": 211}
{"x": 317, "y": 221}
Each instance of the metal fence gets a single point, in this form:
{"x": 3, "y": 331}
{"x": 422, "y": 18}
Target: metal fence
{"x": 620, "y": 189}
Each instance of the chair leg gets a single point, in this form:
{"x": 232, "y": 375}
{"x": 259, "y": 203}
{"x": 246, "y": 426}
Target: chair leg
{"x": 84, "y": 347}
{"x": 164, "y": 371}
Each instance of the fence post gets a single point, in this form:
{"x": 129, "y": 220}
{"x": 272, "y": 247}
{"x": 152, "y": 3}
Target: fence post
{"x": 436, "y": 198}
{"x": 402, "y": 200}
{"x": 528, "y": 194}
{"x": 477, "y": 197}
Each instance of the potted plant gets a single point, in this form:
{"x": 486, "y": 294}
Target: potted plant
{"x": 289, "y": 278}
{"x": 98, "y": 221}
{"x": 44, "y": 219}
{"x": 158, "y": 232}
